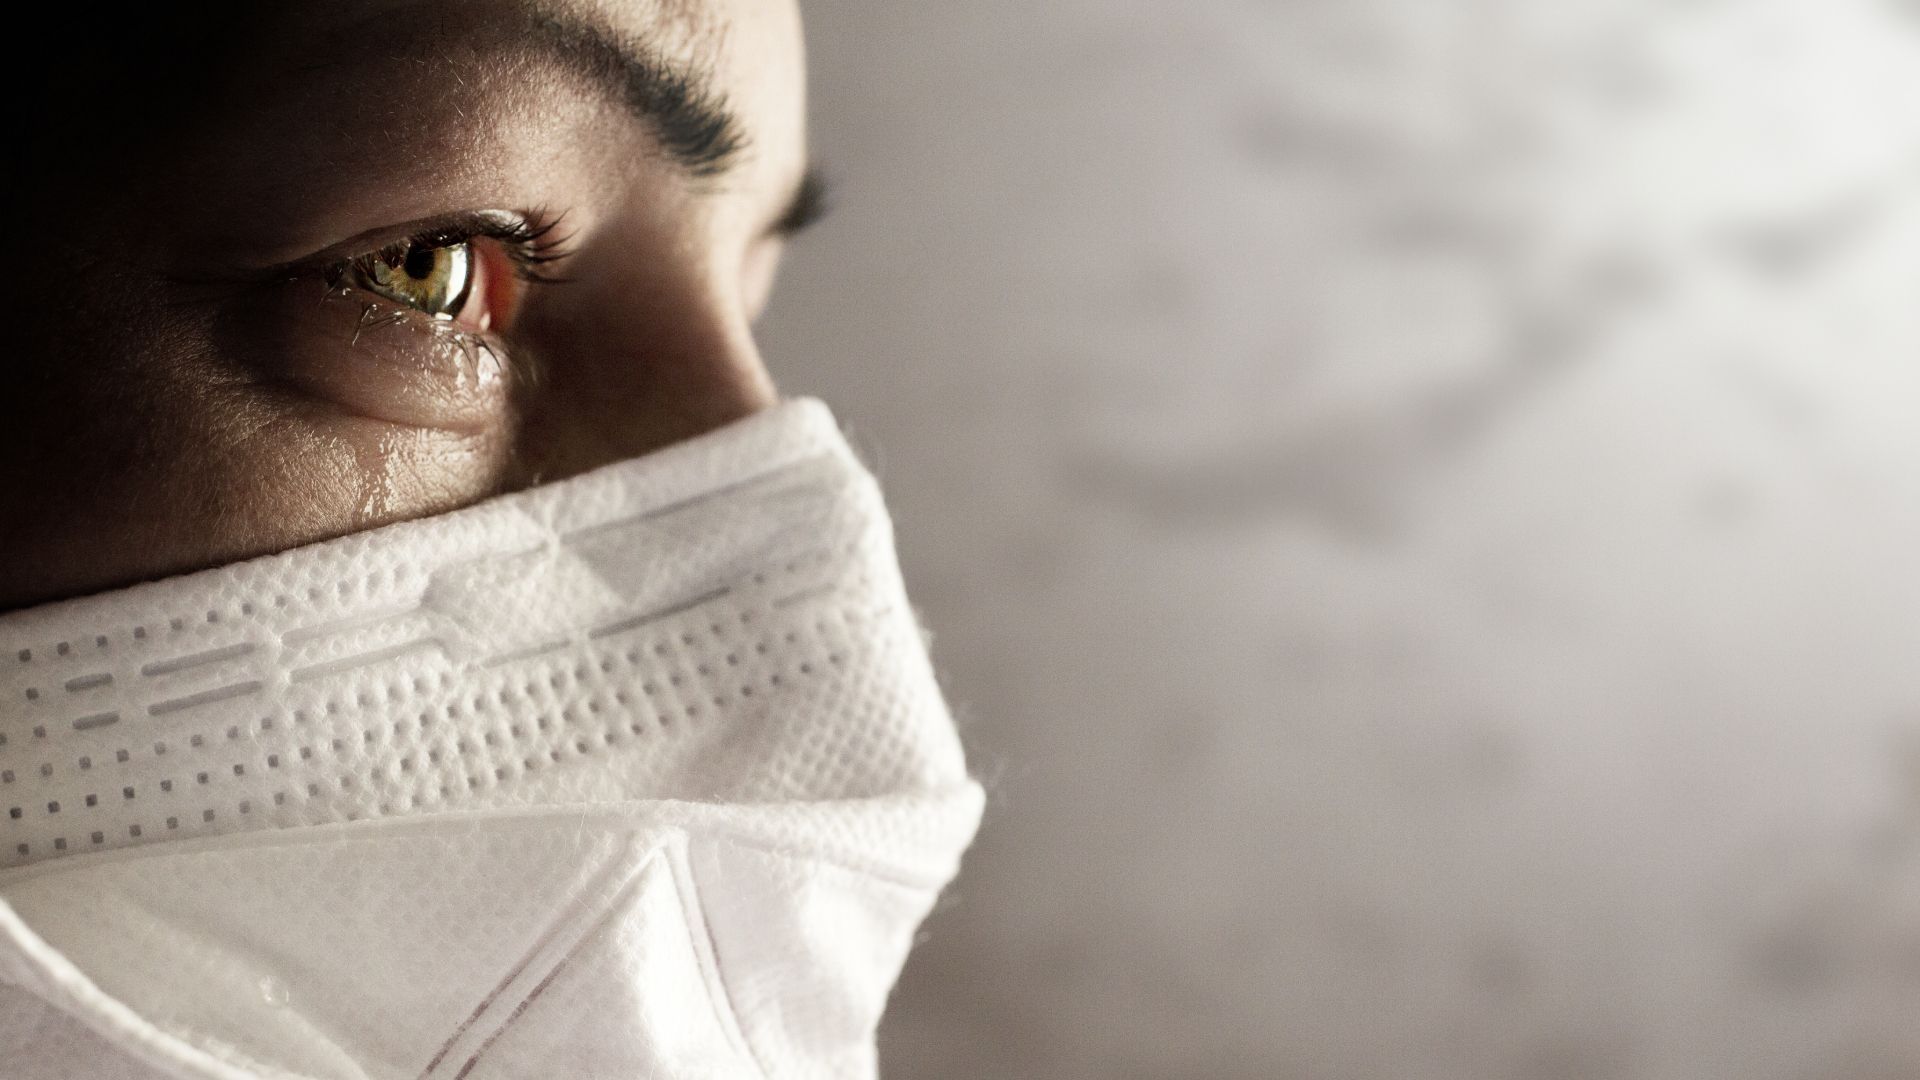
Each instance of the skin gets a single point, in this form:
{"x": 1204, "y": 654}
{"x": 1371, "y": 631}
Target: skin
{"x": 178, "y": 402}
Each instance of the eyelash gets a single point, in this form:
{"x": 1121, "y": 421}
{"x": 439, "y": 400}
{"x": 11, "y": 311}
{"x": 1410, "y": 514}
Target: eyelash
{"x": 531, "y": 242}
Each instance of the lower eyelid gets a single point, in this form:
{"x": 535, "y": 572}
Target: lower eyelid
{"x": 369, "y": 357}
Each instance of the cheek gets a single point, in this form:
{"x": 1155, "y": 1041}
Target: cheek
{"x": 316, "y": 464}
{"x": 315, "y": 477}
{"x": 336, "y": 412}
{"x": 203, "y": 475}
{"x": 276, "y": 471}
{"x": 757, "y": 274}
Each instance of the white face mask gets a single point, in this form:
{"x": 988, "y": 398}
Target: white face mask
{"x": 644, "y": 773}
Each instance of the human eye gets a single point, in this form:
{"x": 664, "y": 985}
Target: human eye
{"x": 436, "y": 280}
{"x": 410, "y": 324}
{"x": 468, "y": 271}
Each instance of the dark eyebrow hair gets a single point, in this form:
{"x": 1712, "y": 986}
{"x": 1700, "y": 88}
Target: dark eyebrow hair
{"x": 693, "y": 123}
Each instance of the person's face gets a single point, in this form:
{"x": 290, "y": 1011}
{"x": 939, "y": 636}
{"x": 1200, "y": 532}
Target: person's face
{"x": 411, "y": 254}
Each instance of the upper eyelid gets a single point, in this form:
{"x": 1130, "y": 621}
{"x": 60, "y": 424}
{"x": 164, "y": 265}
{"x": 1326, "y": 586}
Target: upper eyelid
{"x": 812, "y": 200}
{"x": 374, "y": 241}
{"x": 530, "y": 240}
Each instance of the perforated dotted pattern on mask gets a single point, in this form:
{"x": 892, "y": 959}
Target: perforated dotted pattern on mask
{"x": 722, "y": 621}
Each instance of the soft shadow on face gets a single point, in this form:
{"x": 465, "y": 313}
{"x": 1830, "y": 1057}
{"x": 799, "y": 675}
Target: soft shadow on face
{"x": 238, "y": 332}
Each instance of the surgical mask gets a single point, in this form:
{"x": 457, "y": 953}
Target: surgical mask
{"x": 641, "y": 774}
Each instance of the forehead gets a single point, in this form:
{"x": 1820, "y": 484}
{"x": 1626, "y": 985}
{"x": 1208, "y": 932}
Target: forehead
{"x": 347, "y": 62}
{"x": 318, "y": 94}
{"x": 684, "y": 28}
{"x": 739, "y": 47}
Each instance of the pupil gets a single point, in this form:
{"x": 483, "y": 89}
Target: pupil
{"x": 419, "y": 263}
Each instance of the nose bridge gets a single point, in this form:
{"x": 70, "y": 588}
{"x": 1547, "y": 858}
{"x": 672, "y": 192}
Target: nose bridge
{"x": 614, "y": 380}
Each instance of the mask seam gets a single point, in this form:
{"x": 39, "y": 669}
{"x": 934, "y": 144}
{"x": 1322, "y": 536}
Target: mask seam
{"x": 527, "y": 818}
{"x": 129, "y": 1033}
{"x": 575, "y": 915}
{"x": 700, "y": 937}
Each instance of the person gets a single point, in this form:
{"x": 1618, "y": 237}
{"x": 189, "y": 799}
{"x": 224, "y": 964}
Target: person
{"x": 429, "y": 645}
{"x": 378, "y": 260}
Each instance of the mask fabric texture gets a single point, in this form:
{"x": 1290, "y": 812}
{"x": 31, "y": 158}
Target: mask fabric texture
{"x": 641, "y": 774}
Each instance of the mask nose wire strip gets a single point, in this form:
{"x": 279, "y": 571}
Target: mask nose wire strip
{"x": 634, "y": 622}
{"x": 631, "y": 622}
{"x": 304, "y": 634}
{"x": 373, "y": 656}
{"x": 194, "y": 660}
{"x": 205, "y": 697}
{"x": 736, "y": 488}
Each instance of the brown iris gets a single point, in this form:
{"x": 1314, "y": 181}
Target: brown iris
{"x": 435, "y": 280}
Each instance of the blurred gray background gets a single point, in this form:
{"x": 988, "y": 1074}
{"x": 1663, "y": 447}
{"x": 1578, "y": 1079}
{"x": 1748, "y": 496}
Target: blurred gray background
{"x": 1416, "y": 502}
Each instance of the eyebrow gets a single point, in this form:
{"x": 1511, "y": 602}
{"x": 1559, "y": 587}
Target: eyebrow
{"x": 691, "y": 121}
